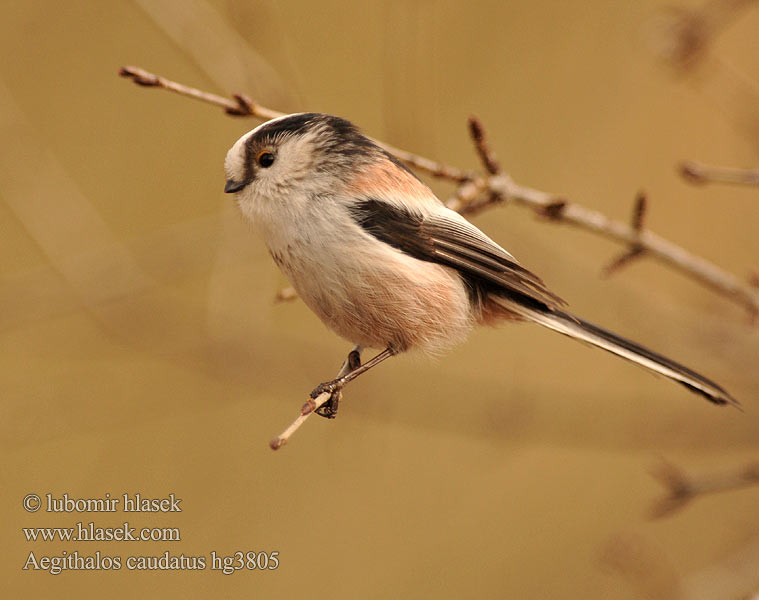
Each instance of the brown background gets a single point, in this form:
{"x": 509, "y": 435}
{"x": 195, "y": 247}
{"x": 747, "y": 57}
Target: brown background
{"x": 141, "y": 350}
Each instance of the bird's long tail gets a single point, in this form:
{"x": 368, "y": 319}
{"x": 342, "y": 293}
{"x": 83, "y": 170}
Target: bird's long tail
{"x": 580, "y": 329}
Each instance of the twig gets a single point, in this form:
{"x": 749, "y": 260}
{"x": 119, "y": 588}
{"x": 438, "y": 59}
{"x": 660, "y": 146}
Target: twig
{"x": 466, "y": 198}
{"x": 351, "y": 369}
{"x": 306, "y": 411}
{"x": 435, "y": 169}
{"x": 240, "y": 106}
{"x": 698, "y": 173}
{"x": 682, "y": 488}
{"x": 623, "y": 260}
{"x": 489, "y": 161}
{"x": 636, "y": 250}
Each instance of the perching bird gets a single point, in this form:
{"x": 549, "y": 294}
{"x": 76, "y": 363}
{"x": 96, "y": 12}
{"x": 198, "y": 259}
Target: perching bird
{"x": 382, "y": 262}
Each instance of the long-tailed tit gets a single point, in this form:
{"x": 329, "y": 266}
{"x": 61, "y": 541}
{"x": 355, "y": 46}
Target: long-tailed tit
{"x": 382, "y": 262}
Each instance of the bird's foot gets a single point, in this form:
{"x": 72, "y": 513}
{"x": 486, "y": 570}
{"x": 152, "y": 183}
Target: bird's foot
{"x": 328, "y": 410}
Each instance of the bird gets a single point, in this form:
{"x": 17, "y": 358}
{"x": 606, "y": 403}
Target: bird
{"x": 383, "y": 262}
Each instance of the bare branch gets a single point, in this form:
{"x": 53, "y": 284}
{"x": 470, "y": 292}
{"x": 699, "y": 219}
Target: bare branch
{"x": 656, "y": 246}
{"x": 240, "y": 106}
{"x": 680, "y": 488}
{"x": 306, "y": 411}
{"x": 700, "y": 174}
{"x": 479, "y": 193}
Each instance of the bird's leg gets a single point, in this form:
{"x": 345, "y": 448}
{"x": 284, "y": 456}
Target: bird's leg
{"x": 351, "y": 363}
{"x": 353, "y": 368}
{"x": 324, "y": 392}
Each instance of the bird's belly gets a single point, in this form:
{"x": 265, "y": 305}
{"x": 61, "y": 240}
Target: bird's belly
{"x": 392, "y": 300}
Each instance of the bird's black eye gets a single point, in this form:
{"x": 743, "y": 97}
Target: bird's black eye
{"x": 265, "y": 159}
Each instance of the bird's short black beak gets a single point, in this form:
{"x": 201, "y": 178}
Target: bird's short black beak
{"x": 233, "y": 186}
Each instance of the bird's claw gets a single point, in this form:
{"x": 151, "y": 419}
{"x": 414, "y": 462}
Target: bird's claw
{"x": 328, "y": 410}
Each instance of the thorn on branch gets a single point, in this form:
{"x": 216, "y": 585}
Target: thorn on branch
{"x": 487, "y": 157}
{"x": 622, "y": 260}
{"x": 245, "y": 107}
{"x": 554, "y": 210}
{"x": 491, "y": 165}
{"x": 636, "y": 250}
{"x": 639, "y": 212}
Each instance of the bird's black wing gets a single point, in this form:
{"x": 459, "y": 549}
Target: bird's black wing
{"x": 448, "y": 239}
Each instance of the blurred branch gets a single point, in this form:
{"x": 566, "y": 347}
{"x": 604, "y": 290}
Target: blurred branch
{"x": 475, "y": 193}
{"x": 681, "y": 488}
{"x": 700, "y": 174}
{"x": 685, "y": 40}
{"x": 286, "y": 294}
{"x": 690, "y": 32}
{"x": 643, "y": 565}
{"x": 647, "y": 569}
